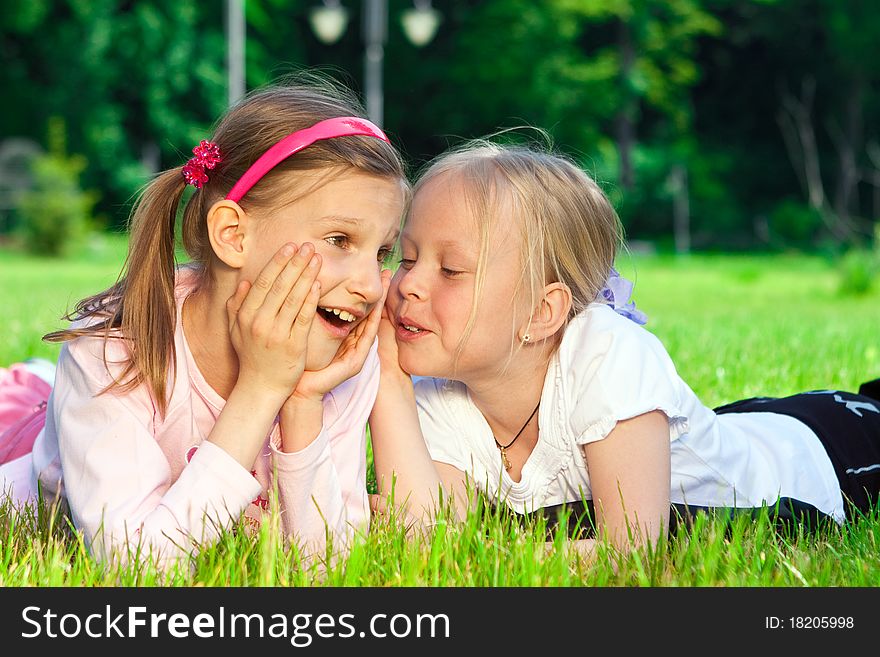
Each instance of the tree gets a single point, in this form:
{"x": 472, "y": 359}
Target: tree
{"x": 846, "y": 31}
{"x": 137, "y": 82}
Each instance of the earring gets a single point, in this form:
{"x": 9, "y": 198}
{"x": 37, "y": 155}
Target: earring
{"x": 526, "y": 338}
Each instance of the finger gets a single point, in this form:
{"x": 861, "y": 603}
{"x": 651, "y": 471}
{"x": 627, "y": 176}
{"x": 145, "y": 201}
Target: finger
{"x": 263, "y": 283}
{"x": 386, "y": 333}
{"x": 365, "y": 334}
{"x": 296, "y": 297}
{"x": 386, "y": 275}
{"x": 233, "y": 303}
{"x": 302, "y": 325}
{"x": 386, "y": 307}
{"x": 378, "y": 311}
{"x": 286, "y": 282}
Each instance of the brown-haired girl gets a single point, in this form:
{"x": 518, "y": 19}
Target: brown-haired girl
{"x": 531, "y": 389}
{"x": 185, "y": 396}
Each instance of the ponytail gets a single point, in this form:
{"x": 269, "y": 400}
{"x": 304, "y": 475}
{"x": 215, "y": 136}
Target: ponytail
{"x": 140, "y": 308}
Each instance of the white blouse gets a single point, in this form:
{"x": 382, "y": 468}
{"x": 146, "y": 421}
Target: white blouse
{"x": 608, "y": 369}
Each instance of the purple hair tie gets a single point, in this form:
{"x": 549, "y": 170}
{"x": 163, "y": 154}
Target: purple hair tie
{"x": 617, "y": 293}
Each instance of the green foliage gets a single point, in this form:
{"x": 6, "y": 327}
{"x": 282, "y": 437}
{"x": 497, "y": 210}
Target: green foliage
{"x": 795, "y": 223}
{"x": 700, "y": 88}
{"x": 138, "y": 84}
{"x": 859, "y": 268}
{"x": 56, "y": 213}
{"x": 40, "y": 547}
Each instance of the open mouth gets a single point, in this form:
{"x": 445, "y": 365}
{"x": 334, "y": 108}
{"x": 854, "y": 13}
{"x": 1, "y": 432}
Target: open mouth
{"x": 338, "y": 318}
{"x": 408, "y": 331}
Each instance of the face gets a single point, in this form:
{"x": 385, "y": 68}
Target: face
{"x": 353, "y": 222}
{"x": 432, "y": 293}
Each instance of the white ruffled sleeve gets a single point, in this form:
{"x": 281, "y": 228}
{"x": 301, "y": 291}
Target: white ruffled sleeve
{"x": 442, "y": 436}
{"x": 615, "y": 370}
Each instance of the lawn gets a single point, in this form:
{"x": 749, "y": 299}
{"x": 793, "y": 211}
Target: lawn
{"x": 735, "y": 325}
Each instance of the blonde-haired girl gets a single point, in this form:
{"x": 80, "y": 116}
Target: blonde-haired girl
{"x": 185, "y": 396}
{"x": 531, "y": 389}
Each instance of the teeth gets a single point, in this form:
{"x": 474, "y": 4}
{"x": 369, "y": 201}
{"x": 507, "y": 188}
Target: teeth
{"x": 411, "y": 328}
{"x": 341, "y": 314}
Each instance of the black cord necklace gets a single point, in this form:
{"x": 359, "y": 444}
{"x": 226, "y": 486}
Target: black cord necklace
{"x": 503, "y": 448}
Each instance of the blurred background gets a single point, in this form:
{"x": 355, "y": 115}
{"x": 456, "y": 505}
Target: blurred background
{"x": 715, "y": 125}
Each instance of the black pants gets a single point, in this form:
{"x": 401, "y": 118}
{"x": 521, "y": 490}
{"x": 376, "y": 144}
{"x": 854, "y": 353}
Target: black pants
{"x": 848, "y": 426}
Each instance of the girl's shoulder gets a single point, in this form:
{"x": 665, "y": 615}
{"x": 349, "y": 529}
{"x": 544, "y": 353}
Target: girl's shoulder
{"x": 98, "y": 358}
{"x": 609, "y": 369}
{"x": 101, "y": 356}
{"x": 112, "y": 345}
{"x": 598, "y": 332}
{"x": 605, "y": 353}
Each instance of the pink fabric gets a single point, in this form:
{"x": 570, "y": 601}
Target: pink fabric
{"x": 23, "y": 397}
{"x": 327, "y": 129}
{"x": 132, "y": 477}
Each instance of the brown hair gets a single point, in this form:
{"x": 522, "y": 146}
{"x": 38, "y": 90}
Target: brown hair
{"x": 570, "y": 232}
{"x": 140, "y": 308}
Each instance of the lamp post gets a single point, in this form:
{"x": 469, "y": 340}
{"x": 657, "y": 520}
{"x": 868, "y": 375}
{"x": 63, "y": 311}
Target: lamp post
{"x": 420, "y": 23}
{"x": 235, "y": 37}
{"x": 375, "y": 35}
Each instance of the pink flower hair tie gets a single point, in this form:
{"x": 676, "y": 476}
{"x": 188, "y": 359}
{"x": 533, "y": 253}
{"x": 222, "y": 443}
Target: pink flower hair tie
{"x": 207, "y": 156}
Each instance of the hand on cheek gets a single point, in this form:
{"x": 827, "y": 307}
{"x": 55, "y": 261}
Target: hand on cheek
{"x": 349, "y": 358}
{"x": 388, "y": 351}
{"x": 270, "y": 320}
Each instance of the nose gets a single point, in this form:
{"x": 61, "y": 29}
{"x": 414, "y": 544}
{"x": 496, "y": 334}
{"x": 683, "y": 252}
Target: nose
{"x": 365, "y": 280}
{"x": 408, "y": 283}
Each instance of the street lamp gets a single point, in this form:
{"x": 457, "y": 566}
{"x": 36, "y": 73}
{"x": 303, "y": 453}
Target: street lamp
{"x": 235, "y": 38}
{"x": 329, "y": 21}
{"x": 419, "y": 23}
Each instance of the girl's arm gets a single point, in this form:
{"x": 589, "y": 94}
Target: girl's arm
{"x": 321, "y": 470}
{"x": 323, "y": 487}
{"x": 630, "y": 480}
{"x": 117, "y": 479}
{"x": 302, "y": 412}
{"x": 269, "y": 324}
{"x": 405, "y": 473}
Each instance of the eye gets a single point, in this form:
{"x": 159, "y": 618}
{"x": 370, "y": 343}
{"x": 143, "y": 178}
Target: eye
{"x": 450, "y": 273}
{"x": 341, "y": 241}
{"x": 384, "y": 254}
{"x": 407, "y": 263}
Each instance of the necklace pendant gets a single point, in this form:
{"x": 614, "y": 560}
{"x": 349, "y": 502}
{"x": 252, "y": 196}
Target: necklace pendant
{"x": 505, "y": 460}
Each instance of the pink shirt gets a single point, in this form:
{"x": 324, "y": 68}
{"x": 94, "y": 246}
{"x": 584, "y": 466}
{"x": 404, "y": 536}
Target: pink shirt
{"x": 128, "y": 472}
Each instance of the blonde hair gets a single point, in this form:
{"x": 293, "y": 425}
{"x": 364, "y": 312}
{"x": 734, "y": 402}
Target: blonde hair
{"x": 140, "y": 308}
{"x": 570, "y": 232}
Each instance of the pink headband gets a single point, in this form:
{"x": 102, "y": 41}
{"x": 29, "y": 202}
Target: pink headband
{"x": 342, "y": 126}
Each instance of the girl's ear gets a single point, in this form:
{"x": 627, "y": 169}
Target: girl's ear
{"x": 227, "y": 230}
{"x": 549, "y": 315}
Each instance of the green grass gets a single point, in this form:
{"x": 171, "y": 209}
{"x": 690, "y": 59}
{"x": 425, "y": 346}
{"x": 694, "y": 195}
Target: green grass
{"x": 736, "y": 326}
{"x": 37, "y": 292}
